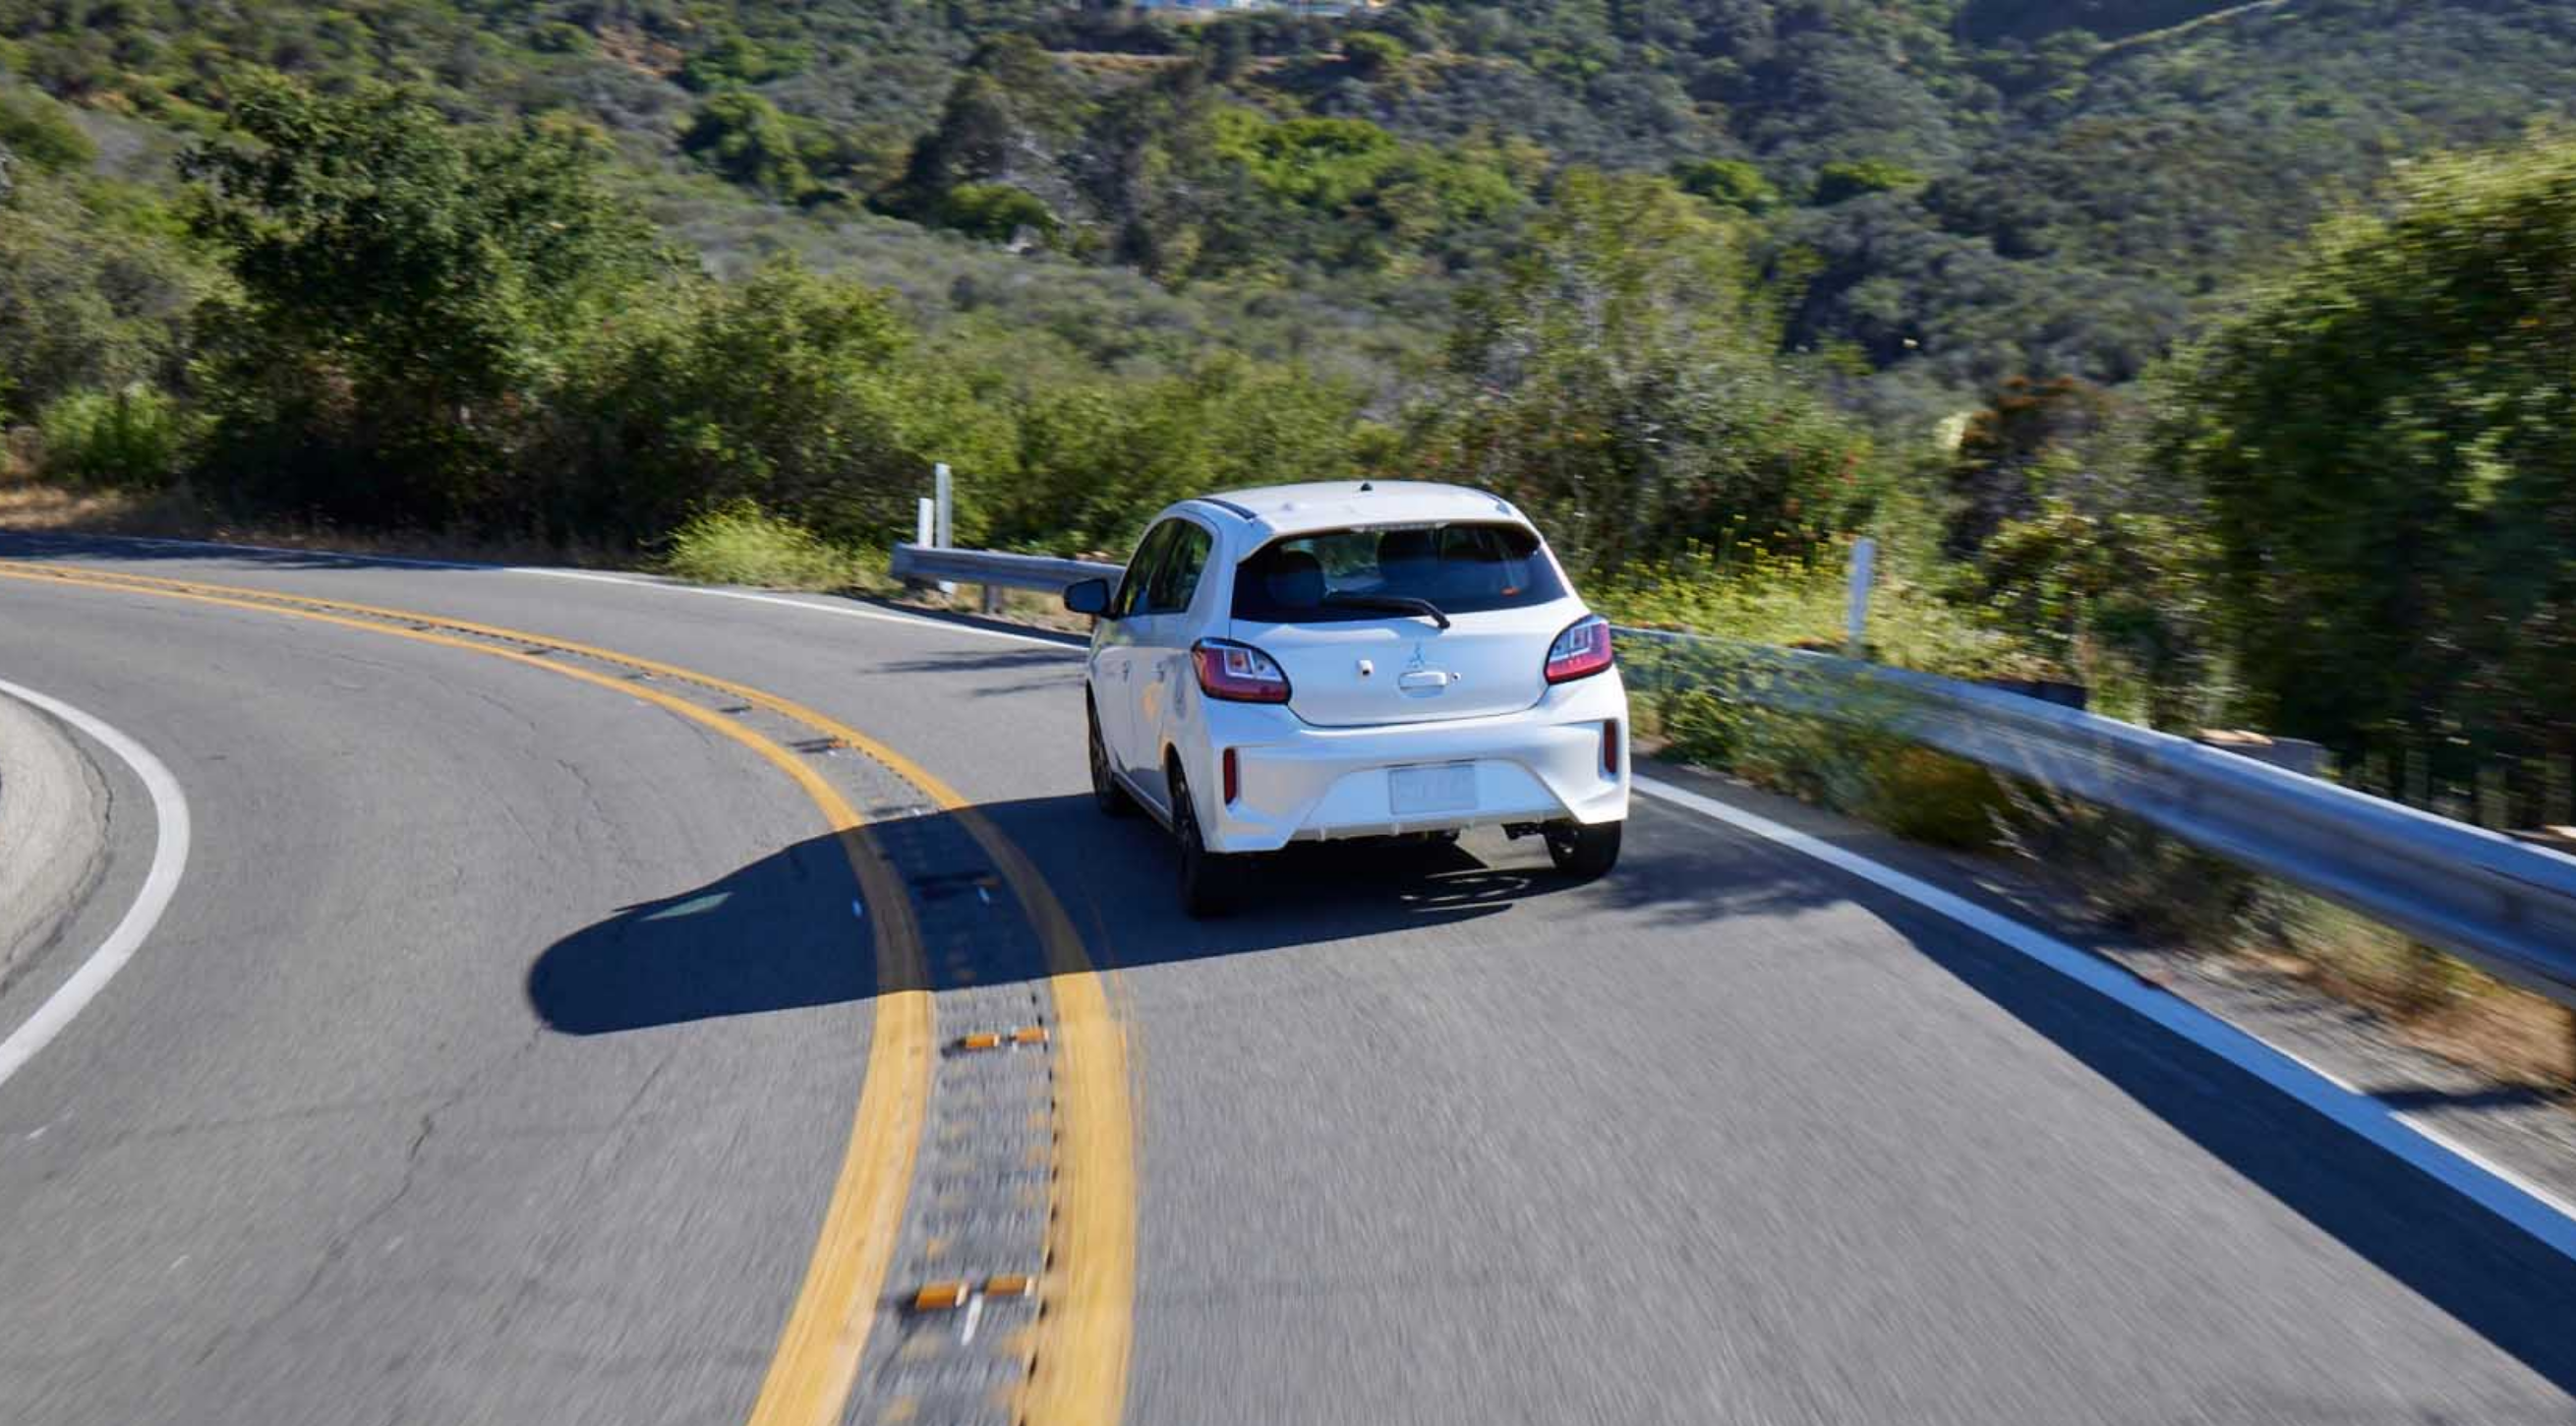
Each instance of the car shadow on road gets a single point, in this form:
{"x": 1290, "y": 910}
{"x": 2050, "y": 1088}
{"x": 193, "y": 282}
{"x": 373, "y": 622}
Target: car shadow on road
{"x": 776, "y": 935}
{"x": 790, "y": 930}
{"x": 782, "y": 932}
{"x": 1042, "y": 670}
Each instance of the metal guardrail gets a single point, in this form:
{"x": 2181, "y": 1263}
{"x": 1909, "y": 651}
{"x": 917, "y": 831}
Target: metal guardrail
{"x": 2487, "y": 898}
{"x": 2507, "y": 907}
{"x": 992, "y": 568}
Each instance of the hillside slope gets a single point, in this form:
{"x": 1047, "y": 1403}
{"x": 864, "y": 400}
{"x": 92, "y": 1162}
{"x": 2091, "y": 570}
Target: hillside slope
{"x": 1950, "y": 191}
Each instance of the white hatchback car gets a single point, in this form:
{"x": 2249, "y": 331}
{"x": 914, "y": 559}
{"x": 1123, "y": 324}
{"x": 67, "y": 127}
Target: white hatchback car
{"x": 1306, "y": 662}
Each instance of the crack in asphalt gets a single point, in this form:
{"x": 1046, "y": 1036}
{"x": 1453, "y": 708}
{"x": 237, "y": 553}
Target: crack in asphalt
{"x": 559, "y": 1239}
{"x": 338, "y": 1247}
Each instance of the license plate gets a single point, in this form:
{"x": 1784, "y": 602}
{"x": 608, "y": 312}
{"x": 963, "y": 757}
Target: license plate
{"x": 1442, "y": 787}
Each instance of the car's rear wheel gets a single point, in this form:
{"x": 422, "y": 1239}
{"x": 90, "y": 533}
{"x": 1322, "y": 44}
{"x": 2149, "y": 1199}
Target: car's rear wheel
{"x": 1210, "y": 881}
{"x": 1584, "y": 851}
{"x": 1105, "y": 790}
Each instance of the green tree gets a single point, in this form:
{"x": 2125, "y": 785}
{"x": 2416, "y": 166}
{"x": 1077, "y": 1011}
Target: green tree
{"x": 1846, "y": 179}
{"x": 42, "y": 132}
{"x": 1373, "y": 55}
{"x": 85, "y": 304}
{"x": 730, "y": 58}
{"x": 789, "y": 389}
{"x": 1008, "y": 107}
{"x": 1620, "y": 377}
{"x": 1097, "y": 457}
{"x": 997, "y": 212}
{"x": 407, "y": 289}
{"x": 2008, "y": 452}
{"x": 1728, "y": 183}
{"x": 2386, "y": 437}
{"x": 744, "y": 137}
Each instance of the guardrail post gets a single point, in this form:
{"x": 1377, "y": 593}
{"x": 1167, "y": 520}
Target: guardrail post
{"x": 945, "y": 493}
{"x": 925, "y": 529}
{"x": 944, "y": 534}
{"x": 1864, "y": 561}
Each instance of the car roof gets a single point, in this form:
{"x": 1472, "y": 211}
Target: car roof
{"x": 1340, "y": 504}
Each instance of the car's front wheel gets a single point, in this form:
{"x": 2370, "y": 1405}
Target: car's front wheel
{"x": 1105, "y": 790}
{"x": 1584, "y": 851}
{"x": 1211, "y": 881}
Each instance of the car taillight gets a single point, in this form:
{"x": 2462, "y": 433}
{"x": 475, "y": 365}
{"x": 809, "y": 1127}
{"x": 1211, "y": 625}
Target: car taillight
{"x": 1238, "y": 673}
{"x": 1581, "y": 651}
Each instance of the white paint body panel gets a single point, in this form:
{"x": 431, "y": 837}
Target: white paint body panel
{"x": 1317, "y": 768}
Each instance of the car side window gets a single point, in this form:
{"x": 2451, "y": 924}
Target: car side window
{"x": 1176, "y": 579}
{"x": 1141, "y": 570}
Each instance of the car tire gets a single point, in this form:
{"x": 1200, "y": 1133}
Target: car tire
{"x": 1112, "y": 799}
{"x": 1584, "y": 851}
{"x": 1210, "y": 881}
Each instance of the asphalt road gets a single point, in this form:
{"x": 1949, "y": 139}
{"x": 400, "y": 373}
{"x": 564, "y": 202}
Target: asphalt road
{"x": 497, "y": 1056}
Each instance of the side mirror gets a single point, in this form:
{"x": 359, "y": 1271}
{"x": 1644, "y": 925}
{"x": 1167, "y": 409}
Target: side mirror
{"x": 1088, "y": 596}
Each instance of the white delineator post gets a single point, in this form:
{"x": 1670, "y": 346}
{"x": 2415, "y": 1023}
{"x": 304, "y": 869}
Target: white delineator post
{"x": 945, "y": 537}
{"x": 1864, "y": 562}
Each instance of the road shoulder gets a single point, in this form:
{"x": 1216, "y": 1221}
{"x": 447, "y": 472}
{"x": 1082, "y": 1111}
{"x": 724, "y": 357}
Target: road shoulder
{"x": 53, "y": 834}
{"x": 2525, "y": 1135}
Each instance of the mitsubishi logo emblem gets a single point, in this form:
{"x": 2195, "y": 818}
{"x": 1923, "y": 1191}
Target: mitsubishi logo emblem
{"x": 1416, "y": 661}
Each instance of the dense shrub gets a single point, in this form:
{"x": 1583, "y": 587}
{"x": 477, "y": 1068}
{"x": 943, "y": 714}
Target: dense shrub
{"x": 1619, "y": 379}
{"x": 1728, "y": 183}
{"x": 2386, "y": 438}
{"x": 1373, "y": 55}
{"x": 739, "y": 543}
{"x": 133, "y": 436}
{"x": 405, "y": 287}
{"x": 997, "y": 212}
{"x": 42, "y": 133}
{"x": 1848, "y": 762}
{"x": 86, "y": 303}
{"x": 745, "y": 138}
{"x": 788, "y": 389}
{"x": 1847, "y": 179}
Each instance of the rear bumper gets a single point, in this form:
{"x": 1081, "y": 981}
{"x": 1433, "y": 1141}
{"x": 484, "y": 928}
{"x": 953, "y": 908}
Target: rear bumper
{"x": 1296, "y": 782}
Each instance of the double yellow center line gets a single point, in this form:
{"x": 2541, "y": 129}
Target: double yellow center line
{"x": 1079, "y": 1377}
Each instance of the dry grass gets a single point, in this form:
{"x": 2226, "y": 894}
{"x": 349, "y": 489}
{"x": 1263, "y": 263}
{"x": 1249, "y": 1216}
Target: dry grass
{"x": 31, "y": 505}
{"x": 2168, "y": 893}
{"x": 2431, "y": 1001}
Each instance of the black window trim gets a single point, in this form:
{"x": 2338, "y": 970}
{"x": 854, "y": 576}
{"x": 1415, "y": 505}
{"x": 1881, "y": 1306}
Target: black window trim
{"x": 1139, "y": 571}
{"x": 1178, "y": 519}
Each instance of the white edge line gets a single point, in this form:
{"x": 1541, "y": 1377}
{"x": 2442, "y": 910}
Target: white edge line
{"x": 160, "y": 883}
{"x": 2507, "y": 1195}
{"x": 882, "y": 616}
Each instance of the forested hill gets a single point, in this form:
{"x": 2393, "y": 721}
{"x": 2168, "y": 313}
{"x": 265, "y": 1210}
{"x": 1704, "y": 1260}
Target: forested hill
{"x": 1949, "y": 192}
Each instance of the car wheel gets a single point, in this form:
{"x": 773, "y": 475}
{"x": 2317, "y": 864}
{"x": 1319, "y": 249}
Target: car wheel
{"x": 1105, "y": 790}
{"x": 1210, "y": 881}
{"x": 1584, "y": 852}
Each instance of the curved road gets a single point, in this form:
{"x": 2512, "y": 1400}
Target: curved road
{"x": 498, "y": 1058}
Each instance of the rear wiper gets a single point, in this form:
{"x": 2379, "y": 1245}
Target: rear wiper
{"x": 1395, "y": 603}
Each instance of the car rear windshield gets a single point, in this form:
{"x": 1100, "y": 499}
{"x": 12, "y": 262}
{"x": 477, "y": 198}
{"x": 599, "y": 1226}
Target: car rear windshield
{"x": 1332, "y": 574}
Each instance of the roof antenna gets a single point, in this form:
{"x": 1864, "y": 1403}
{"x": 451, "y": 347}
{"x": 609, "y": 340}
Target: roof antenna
{"x": 1365, "y": 487}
